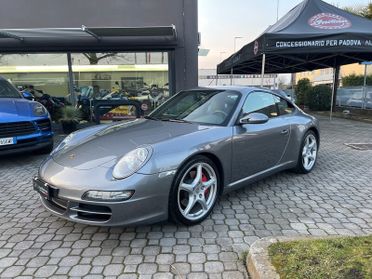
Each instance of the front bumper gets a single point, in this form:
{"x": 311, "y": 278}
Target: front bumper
{"x": 31, "y": 143}
{"x": 148, "y": 205}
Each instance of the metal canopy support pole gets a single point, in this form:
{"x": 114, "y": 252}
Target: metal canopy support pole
{"x": 172, "y": 72}
{"x": 263, "y": 69}
{"x": 216, "y": 78}
{"x": 336, "y": 74}
{"x": 71, "y": 79}
{"x": 231, "y": 76}
{"x": 364, "y": 105}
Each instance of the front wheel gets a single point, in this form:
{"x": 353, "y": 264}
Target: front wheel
{"x": 308, "y": 153}
{"x": 194, "y": 191}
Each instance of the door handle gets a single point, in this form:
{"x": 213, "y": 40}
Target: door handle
{"x": 284, "y": 132}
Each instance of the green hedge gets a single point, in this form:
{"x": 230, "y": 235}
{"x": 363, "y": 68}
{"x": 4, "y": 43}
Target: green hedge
{"x": 302, "y": 89}
{"x": 356, "y": 80}
{"x": 319, "y": 98}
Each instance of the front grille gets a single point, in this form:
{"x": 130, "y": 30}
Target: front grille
{"x": 16, "y": 129}
{"x": 44, "y": 124}
{"x": 82, "y": 211}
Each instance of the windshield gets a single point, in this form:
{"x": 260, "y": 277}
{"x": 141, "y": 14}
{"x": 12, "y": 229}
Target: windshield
{"x": 7, "y": 90}
{"x": 213, "y": 107}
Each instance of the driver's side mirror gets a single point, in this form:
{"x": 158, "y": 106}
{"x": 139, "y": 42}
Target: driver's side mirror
{"x": 254, "y": 118}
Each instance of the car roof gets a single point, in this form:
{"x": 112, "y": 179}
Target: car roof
{"x": 241, "y": 89}
{"x": 244, "y": 90}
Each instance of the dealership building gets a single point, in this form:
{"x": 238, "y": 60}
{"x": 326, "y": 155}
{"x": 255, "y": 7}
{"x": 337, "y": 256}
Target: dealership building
{"x": 58, "y": 46}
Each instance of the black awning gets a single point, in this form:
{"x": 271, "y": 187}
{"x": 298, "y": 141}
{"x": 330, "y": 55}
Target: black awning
{"x": 84, "y": 39}
{"x": 313, "y": 35}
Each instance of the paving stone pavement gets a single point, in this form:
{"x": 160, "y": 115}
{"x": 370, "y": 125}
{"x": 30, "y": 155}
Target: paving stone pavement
{"x": 336, "y": 199}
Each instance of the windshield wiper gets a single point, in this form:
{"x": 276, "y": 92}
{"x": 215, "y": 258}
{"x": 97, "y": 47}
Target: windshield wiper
{"x": 178, "y": 120}
{"x": 152, "y": 118}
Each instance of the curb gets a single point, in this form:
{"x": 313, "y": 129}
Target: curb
{"x": 258, "y": 261}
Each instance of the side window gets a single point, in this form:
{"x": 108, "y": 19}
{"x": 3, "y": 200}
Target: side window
{"x": 260, "y": 102}
{"x": 284, "y": 107}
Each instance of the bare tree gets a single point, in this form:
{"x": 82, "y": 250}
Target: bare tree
{"x": 93, "y": 58}
{"x": 364, "y": 11}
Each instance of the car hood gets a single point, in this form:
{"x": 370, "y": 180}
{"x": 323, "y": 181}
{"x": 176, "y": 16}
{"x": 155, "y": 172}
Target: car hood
{"x": 105, "y": 147}
{"x": 12, "y": 109}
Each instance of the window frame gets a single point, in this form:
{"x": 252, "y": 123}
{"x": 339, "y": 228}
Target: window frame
{"x": 246, "y": 98}
{"x": 288, "y": 102}
{"x": 240, "y": 114}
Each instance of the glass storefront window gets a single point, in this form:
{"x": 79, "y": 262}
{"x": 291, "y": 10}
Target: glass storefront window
{"x": 140, "y": 77}
{"x": 45, "y": 72}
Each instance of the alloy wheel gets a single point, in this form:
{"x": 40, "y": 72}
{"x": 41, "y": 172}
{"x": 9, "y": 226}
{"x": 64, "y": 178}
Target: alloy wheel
{"x": 309, "y": 152}
{"x": 197, "y": 191}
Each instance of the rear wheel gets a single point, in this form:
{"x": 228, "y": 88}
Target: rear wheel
{"x": 194, "y": 191}
{"x": 308, "y": 153}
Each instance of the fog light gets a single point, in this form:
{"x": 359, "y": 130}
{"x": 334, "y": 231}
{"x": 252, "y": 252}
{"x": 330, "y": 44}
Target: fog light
{"x": 102, "y": 196}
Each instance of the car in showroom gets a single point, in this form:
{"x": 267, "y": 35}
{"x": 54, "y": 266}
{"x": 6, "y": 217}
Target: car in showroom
{"x": 178, "y": 160}
{"x": 25, "y": 125}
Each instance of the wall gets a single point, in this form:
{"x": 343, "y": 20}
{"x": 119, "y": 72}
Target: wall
{"x": 325, "y": 76}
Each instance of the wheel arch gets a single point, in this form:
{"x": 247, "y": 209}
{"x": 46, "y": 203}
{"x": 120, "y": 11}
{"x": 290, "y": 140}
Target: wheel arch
{"x": 316, "y": 132}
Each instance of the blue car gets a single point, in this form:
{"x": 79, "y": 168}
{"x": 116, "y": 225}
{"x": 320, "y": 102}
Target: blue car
{"x": 24, "y": 125}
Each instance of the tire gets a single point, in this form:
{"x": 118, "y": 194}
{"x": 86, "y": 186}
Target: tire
{"x": 309, "y": 149}
{"x": 192, "y": 202}
{"x": 45, "y": 150}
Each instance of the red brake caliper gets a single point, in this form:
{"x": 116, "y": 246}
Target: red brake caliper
{"x": 205, "y": 179}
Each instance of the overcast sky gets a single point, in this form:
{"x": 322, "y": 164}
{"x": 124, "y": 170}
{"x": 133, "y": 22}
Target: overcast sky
{"x": 221, "y": 20}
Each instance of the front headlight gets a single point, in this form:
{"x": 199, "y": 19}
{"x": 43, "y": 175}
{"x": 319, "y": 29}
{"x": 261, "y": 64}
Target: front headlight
{"x": 39, "y": 110}
{"x": 131, "y": 162}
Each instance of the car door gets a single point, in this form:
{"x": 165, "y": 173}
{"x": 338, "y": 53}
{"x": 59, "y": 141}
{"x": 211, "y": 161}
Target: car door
{"x": 258, "y": 147}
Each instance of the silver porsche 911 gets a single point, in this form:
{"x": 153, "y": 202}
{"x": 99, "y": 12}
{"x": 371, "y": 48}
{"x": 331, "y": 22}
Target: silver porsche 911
{"x": 177, "y": 161}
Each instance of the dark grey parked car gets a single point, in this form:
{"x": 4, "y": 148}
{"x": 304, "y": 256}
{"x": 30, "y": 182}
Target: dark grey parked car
{"x": 176, "y": 162}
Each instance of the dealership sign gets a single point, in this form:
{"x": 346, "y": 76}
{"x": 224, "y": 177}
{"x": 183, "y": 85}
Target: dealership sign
{"x": 329, "y": 21}
{"x": 323, "y": 43}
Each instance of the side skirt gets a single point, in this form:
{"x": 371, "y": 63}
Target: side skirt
{"x": 258, "y": 176}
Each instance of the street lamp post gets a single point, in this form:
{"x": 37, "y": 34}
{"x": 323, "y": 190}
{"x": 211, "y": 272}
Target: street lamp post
{"x": 277, "y": 10}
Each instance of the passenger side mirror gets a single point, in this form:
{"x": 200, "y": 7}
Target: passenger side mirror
{"x": 254, "y": 118}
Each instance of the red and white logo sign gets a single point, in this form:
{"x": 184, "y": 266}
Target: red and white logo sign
{"x": 329, "y": 21}
{"x": 255, "y": 48}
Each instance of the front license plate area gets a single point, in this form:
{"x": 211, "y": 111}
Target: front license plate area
{"x": 7, "y": 141}
{"x": 46, "y": 190}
